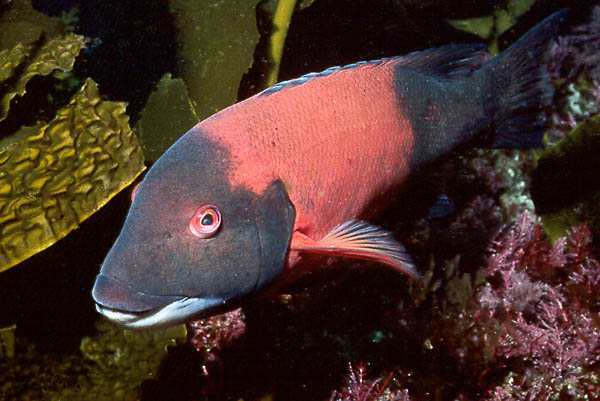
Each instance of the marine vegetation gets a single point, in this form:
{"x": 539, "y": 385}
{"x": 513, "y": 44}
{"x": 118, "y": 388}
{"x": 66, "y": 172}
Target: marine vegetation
{"x": 569, "y": 167}
{"x": 508, "y": 300}
{"x": 111, "y": 366}
{"x": 491, "y": 27}
{"x": 55, "y": 170}
{"x": 217, "y": 47}
{"x": 45, "y": 207}
{"x": 261, "y": 207}
{"x": 503, "y": 313}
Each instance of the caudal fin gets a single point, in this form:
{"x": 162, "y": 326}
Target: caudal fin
{"x": 519, "y": 87}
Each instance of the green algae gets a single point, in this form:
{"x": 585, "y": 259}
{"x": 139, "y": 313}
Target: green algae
{"x": 21, "y": 24}
{"x": 7, "y": 341}
{"x": 157, "y": 131}
{"x": 122, "y": 359}
{"x": 565, "y": 187}
{"x": 54, "y": 175}
{"x": 56, "y": 172}
{"x": 110, "y": 365}
{"x": 281, "y": 22}
{"x": 21, "y": 63}
{"x": 217, "y": 48}
{"x": 490, "y": 27}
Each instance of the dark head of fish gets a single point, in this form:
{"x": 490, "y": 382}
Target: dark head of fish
{"x": 158, "y": 273}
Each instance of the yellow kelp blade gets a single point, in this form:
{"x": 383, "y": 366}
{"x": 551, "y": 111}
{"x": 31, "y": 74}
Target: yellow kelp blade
{"x": 56, "y": 54}
{"x": 53, "y": 176}
{"x": 281, "y": 23}
{"x": 157, "y": 133}
{"x": 217, "y": 48}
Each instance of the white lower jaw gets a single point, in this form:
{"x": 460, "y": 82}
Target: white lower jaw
{"x": 174, "y": 313}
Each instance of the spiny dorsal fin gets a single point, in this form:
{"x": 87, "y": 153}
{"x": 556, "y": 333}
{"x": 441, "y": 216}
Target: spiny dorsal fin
{"x": 450, "y": 61}
{"x": 360, "y": 240}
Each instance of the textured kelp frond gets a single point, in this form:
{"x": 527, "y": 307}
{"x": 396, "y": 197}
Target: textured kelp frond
{"x": 53, "y": 176}
{"x": 21, "y": 63}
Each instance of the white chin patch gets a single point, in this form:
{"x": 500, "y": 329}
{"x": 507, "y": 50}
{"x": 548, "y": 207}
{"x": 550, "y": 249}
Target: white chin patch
{"x": 174, "y": 313}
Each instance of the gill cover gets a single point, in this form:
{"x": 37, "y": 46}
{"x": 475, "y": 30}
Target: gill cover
{"x": 156, "y": 260}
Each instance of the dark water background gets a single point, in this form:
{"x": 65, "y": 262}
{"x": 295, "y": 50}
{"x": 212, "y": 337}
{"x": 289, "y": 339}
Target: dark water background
{"x": 48, "y": 295}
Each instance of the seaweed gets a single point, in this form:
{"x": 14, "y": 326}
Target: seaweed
{"x": 55, "y": 175}
{"x": 281, "y": 22}
{"x": 21, "y": 63}
{"x": 490, "y": 27}
{"x": 60, "y": 163}
{"x": 119, "y": 360}
{"x": 358, "y": 388}
{"x": 548, "y": 330}
{"x": 217, "y": 46}
{"x": 564, "y": 185}
{"x": 111, "y": 365}
{"x": 22, "y": 24}
{"x": 156, "y": 132}
{"x": 7, "y": 342}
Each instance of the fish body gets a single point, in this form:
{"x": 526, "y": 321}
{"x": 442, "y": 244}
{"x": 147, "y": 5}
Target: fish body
{"x": 301, "y": 167}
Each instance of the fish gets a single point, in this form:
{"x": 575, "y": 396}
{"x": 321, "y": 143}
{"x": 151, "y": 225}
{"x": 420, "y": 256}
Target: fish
{"x": 239, "y": 201}
{"x": 442, "y": 207}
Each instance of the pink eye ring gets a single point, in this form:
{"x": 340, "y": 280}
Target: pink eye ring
{"x": 135, "y": 190}
{"x": 206, "y": 221}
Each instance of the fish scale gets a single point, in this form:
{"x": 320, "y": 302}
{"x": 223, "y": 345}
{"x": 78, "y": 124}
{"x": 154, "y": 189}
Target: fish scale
{"x": 324, "y": 125}
{"x": 300, "y": 168}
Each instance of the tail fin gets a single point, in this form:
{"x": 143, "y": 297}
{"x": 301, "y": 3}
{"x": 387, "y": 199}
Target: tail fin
{"x": 519, "y": 87}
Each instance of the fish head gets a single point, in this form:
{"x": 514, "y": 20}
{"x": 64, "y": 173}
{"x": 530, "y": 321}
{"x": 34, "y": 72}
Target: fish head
{"x": 191, "y": 244}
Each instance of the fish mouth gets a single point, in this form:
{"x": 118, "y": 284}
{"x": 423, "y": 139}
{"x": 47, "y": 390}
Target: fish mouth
{"x": 176, "y": 312}
{"x": 134, "y": 309}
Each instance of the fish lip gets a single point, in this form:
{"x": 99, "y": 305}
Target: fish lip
{"x": 115, "y": 294}
{"x": 176, "y": 312}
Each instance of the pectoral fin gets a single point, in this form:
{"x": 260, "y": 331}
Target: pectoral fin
{"x": 360, "y": 240}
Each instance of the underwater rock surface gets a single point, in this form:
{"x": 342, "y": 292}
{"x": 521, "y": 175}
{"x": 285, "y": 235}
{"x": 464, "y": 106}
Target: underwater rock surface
{"x": 492, "y": 279}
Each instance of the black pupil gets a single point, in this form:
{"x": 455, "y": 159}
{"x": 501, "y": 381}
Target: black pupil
{"x": 207, "y": 220}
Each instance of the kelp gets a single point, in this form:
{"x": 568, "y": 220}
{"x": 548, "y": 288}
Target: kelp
{"x": 21, "y": 24}
{"x": 56, "y": 174}
{"x": 111, "y": 365}
{"x": 7, "y": 341}
{"x": 217, "y": 48}
{"x": 490, "y": 27}
{"x": 21, "y": 63}
{"x": 167, "y": 115}
{"x": 565, "y": 187}
{"x": 119, "y": 360}
{"x": 281, "y": 22}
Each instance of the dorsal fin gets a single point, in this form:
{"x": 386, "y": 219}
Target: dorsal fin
{"x": 449, "y": 61}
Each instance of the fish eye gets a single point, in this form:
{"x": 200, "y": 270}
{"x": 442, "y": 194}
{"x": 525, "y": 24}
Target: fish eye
{"x": 135, "y": 190}
{"x": 206, "y": 221}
